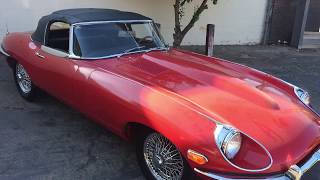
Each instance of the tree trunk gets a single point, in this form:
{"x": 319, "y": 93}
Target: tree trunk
{"x": 177, "y": 39}
{"x": 179, "y": 34}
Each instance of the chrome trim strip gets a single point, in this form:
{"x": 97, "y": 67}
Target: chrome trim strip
{"x": 219, "y": 177}
{"x": 289, "y": 84}
{"x": 314, "y": 111}
{"x": 104, "y": 57}
{"x": 71, "y": 53}
{"x": 260, "y": 71}
{"x": 3, "y": 51}
{"x": 295, "y": 88}
{"x": 311, "y": 162}
{"x": 279, "y": 79}
{"x": 102, "y": 22}
{"x": 54, "y": 52}
{"x": 73, "y": 56}
{"x": 204, "y": 114}
{"x": 71, "y": 38}
{"x": 221, "y": 130}
{"x": 220, "y": 124}
{"x": 306, "y": 94}
{"x": 45, "y": 38}
{"x": 45, "y": 33}
{"x": 294, "y": 173}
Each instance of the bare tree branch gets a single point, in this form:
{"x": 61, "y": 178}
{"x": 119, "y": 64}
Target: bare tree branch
{"x": 179, "y": 34}
{"x": 195, "y": 16}
{"x": 184, "y": 2}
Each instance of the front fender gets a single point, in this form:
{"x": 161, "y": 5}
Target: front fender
{"x": 128, "y": 101}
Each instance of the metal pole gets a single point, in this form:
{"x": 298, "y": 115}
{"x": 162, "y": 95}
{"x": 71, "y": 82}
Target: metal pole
{"x": 210, "y": 39}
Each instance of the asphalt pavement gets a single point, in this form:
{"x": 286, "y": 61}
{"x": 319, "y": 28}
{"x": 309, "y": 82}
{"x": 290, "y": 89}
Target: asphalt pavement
{"x": 47, "y": 140}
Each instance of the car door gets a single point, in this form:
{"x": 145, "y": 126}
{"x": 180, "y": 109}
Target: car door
{"x": 56, "y": 70}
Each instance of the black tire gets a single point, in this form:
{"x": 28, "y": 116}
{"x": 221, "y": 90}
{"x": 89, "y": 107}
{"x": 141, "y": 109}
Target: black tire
{"x": 140, "y": 143}
{"x": 28, "y": 95}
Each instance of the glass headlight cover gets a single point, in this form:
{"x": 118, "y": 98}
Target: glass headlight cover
{"x": 236, "y": 147}
{"x": 303, "y": 95}
{"x": 232, "y": 144}
{"x": 228, "y": 140}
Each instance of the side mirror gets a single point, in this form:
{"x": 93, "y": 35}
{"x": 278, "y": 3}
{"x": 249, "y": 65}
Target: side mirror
{"x": 54, "y": 52}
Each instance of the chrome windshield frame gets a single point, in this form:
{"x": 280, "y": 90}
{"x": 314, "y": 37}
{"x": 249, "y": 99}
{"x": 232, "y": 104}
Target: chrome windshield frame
{"x": 71, "y": 35}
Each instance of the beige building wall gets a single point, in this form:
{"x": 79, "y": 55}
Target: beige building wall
{"x": 237, "y": 21}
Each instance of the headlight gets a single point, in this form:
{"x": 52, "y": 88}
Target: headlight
{"x": 228, "y": 140}
{"x": 232, "y": 144}
{"x": 303, "y": 95}
{"x": 240, "y": 150}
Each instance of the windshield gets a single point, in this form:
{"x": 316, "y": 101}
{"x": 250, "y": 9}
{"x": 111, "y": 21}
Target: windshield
{"x": 115, "y": 38}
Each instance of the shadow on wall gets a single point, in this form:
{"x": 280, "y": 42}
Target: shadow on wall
{"x": 313, "y": 21}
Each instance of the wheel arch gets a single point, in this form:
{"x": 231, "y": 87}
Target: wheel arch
{"x": 133, "y": 129}
{"x": 11, "y": 62}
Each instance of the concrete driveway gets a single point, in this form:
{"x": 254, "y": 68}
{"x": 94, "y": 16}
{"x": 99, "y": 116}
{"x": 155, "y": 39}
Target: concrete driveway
{"x": 47, "y": 140}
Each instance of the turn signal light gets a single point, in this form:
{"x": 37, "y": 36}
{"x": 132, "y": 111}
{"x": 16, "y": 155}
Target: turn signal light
{"x": 197, "y": 157}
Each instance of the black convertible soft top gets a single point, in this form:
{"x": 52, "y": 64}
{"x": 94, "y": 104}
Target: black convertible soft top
{"x": 72, "y": 16}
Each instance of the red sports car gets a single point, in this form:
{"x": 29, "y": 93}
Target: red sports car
{"x": 190, "y": 115}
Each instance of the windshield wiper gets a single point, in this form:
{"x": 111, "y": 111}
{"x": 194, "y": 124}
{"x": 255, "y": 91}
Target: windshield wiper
{"x": 135, "y": 48}
{"x": 157, "y": 49}
{"x": 141, "y": 47}
{"x": 130, "y": 50}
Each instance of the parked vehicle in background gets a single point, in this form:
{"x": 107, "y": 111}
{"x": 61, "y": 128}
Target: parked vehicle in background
{"x": 189, "y": 115}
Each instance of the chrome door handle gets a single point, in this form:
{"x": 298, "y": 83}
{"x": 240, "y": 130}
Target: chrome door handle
{"x": 39, "y": 55}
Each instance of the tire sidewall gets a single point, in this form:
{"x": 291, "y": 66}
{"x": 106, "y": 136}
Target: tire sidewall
{"x": 28, "y": 96}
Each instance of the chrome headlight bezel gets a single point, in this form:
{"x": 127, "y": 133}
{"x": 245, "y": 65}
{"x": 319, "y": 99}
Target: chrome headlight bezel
{"x": 303, "y": 96}
{"x": 222, "y": 131}
{"x": 224, "y": 136}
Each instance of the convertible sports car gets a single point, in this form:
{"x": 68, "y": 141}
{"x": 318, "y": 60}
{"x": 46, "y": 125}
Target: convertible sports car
{"x": 191, "y": 116}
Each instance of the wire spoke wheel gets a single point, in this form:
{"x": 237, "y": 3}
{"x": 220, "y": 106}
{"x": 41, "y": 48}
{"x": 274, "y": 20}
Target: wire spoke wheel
{"x": 162, "y": 158}
{"x": 23, "y": 79}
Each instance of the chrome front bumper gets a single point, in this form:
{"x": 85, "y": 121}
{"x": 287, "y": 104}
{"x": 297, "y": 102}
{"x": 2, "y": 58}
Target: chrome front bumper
{"x": 294, "y": 173}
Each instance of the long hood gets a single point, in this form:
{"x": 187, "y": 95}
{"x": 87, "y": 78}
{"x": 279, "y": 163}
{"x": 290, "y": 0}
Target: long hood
{"x": 253, "y": 102}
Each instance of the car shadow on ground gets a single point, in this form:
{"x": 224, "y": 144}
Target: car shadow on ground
{"x": 46, "y": 139}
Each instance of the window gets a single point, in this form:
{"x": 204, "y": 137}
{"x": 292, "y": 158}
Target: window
{"x": 140, "y": 31}
{"x": 108, "y": 39}
{"x": 58, "y": 36}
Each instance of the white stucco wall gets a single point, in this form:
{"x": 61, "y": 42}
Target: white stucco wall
{"x": 237, "y": 21}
